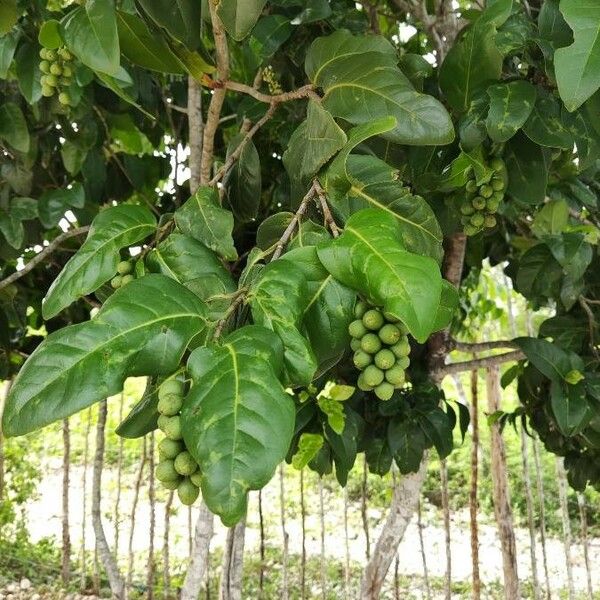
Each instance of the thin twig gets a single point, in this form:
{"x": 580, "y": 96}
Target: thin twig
{"x": 480, "y": 363}
{"x": 226, "y": 316}
{"x": 38, "y": 258}
{"x": 329, "y": 220}
{"x": 584, "y": 303}
{"x": 480, "y": 346}
{"x": 306, "y": 91}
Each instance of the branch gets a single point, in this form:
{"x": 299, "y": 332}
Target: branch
{"x": 583, "y": 302}
{"x": 479, "y": 363}
{"x": 230, "y": 310}
{"x": 38, "y": 258}
{"x": 303, "y": 92}
{"x": 329, "y": 220}
{"x": 480, "y": 346}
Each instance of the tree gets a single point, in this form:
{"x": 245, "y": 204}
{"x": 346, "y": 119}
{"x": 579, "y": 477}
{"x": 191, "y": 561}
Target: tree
{"x": 296, "y": 298}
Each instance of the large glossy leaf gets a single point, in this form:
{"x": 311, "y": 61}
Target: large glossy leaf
{"x": 361, "y": 85}
{"x": 313, "y": 143}
{"x": 90, "y": 32}
{"x": 8, "y": 45}
{"x": 328, "y": 310}
{"x": 202, "y": 218}
{"x": 510, "y": 106}
{"x": 407, "y": 443}
{"x": 239, "y": 16}
{"x": 181, "y": 18}
{"x": 569, "y": 406}
{"x": 270, "y": 33}
{"x": 143, "y": 417}
{"x": 237, "y": 420}
{"x": 554, "y": 362}
{"x": 142, "y": 329}
{"x": 13, "y": 127}
{"x": 96, "y": 261}
{"x": 144, "y": 48}
{"x": 539, "y": 274}
{"x": 527, "y": 170}
{"x": 448, "y": 305}
{"x": 277, "y": 301}
{"x": 578, "y": 65}
{"x": 27, "y": 63}
{"x": 545, "y": 125}
{"x": 8, "y": 15}
{"x": 370, "y": 258}
{"x": 53, "y": 203}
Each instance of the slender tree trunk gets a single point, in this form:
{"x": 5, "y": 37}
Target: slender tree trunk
{"x": 65, "y": 570}
{"x": 6, "y": 388}
{"x": 346, "y": 547}
{"x": 284, "y": 536}
{"x": 303, "y": 557}
{"x": 233, "y": 563}
{"x": 473, "y": 491}
{"x": 585, "y": 542}
{"x": 566, "y": 523}
{"x": 537, "y": 592}
{"x": 542, "y": 513}
{"x": 404, "y": 501}
{"x": 115, "y": 580}
{"x": 448, "y": 540}
{"x": 261, "y": 573}
{"x": 165, "y": 548}
{"x": 150, "y": 571}
{"x": 363, "y": 508}
{"x": 502, "y": 507}
{"x": 117, "y": 514}
{"x": 136, "y": 495}
{"x": 423, "y": 553}
{"x": 322, "y": 569}
{"x": 86, "y": 451}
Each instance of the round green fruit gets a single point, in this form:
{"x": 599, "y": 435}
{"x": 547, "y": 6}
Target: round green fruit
{"x": 373, "y": 319}
{"x": 370, "y": 343}
{"x": 170, "y": 405}
{"x": 124, "y": 267}
{"x": 390, "y": 318}
{"x": 362, "y": 359}
{"x": 165, "y": 471}
{"x": 64, "y": 98}
{"x": 127, "y": 279}
{"x": 467, "y": 209}
{"x": 486, "y": 191}
{"x": 170, "y": 448}
{"x": 497, "y": 164}
{"x": 47, "y": 91}
{"x": 477, "y": 220}
{"x": 492, "y": 204}
{"x": 170, "y": 387}
{"x": 196, "y": 478}
{"x": 185, "y": 463}
{"x": 67, "y": 71}
{"x": 55, "y": 69}
{"x": 356, "y": 329}
{"x": 162, "y": 422}
{"x": 173, "y": 428}
{"x": 362, "y": 384}
{"x": 50, "y": 80}
{"x": 497, "y": 184}
{"x": 384, "y": 391}
{"x": 471, "y": 186}
{"x": 172, "y": 484}
{"x": 116, "y": 282}
{"x": 43, "y": 54}
{"x": 389, "y": 334}
{"x": 50, "y": 55}
{"x": 360, "y": 309}
{"x": 45, "y": 66}
{"x": 355, "y": 344}
{"x": 403, "y": 362}
{"x": 489, "y": 221}
{"x": 373, "y": 375}
{"x": 187, "y": 492}
{"x": 385, "y": 359}
{"x": 478, "y": 202}
{"x": 65, "y": 54}
{"x": 402, "y": 348}
{"x": 396, "y": 375}
{"x": 471, "y": 229}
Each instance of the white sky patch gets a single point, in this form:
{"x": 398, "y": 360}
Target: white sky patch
{"x": 405, "y": 32}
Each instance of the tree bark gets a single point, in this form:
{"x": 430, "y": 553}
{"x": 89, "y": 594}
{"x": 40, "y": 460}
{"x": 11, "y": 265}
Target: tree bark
{"x": 404, "y": 500}
{"x": 136, "y": 495}
{"x": 542, "y": 514}
{"x": 585, "y": 542}
{"x": 117, "y": 514}
{"x": 198, "y": 560}
{"x": 233, "y": 563}
{"x": 150, "y": 570}
{"x": 284, "y": 536}
{"x": 502, "y": 509}
{"x": 165, "y": 548}
{"x": 115, "y": 580}
{"x": 86, "y": 450}
{"x": 566, "y": 523}
{"x": 448, "y": 539}
{"x": 363, "y": 508}
{"x": 473, "y": 491}
{"x": 65, "y": 570}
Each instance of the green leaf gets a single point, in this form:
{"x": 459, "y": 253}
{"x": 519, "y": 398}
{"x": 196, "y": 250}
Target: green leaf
{"x": 202, "y": 218}
{"x": 344, "y": 446}
{"x": 313, "y": 143}
{"x": 447, "y": 308}
{"x": 73, "y": 156}
{"x": 378, "y": 456}
{"x": 49, "y": 35}
{"x": 28, "y": 72}
{"x": 570, "y": 407}
{"x": 407, "y": 444}
{"x": 566, "y": 331}
{"x": 334, "y": 411}
{"x": 144, "y": 48}
{"x": 243, "y": 185}
{"x": 113, "y": 84}
{"x": 551, "y": 219}
{"x": 328, "y": 308}
{"x": 54, "y": 203}
{"x": 539, "y": 274}
{"x": 552, "y": 361}
{"x": 13, "y": 127}
{"x": 237, "y": 420}
{"x": 270, "y": 33}
{"x": 527, "y": 170}
{"x": 572, "y": 252}
{"x": 143, "y": 417}
{"x": 361, "y": 85}
{"x": 12, "y": 229}
{"x": 578, "y": 65}
{"x": 370, "y": 258}
{"x": 8, "y": 45}
{"x": 142, "y": 329}
{"x": 510, "y": 106}
{"x": 436, "y": 427}
{"x": 96, "y": 261}
{"x": 239, "y": 16}
{"x": 552, "y": 25}
{"x": 182, "y": 19}
{"x": 277, "y": 301}
{"x": 8, "y": 15}
{"x": 309, "y": 445}
{"x": 545, "y": 126}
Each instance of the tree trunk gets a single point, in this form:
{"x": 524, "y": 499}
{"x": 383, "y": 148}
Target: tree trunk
{"x": 584, "y": 541}
{"x": 473, "y": 491}
{"x": 198, "y": 560}
{"x": 136, "y": 495}
{"x": 542, "y": 513}
{"x": 117, "y": 514}
{"x": 65, "y": 570}
{"x": 86, "y": 450}
{"x": 447, "y": 540}
{"x": 284, "y": 536}
{"x": 233, "y": 563}
{"x": 115, "y": 580}
{"x": 502, "y": 509}
{"x": 566, "y": 523}
{"x": 404, "y": 502}
{"x": 363, "y": 509}
{"x": 165, "y": 548}
{"x": 150, "y": 570}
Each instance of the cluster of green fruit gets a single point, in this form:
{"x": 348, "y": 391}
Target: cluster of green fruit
{"x": 381, "y": 350}
{"x": 177, "y": 469}
{"x": 124, "y": 275}
{"x": 480, "y": 202}
{"x": 56, "y": 73}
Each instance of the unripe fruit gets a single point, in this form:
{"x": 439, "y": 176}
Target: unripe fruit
{"x": 170, "y": 405}
{"x": 373, "y": 319}
{"x": 403, "y": 362}
{"x": 356, "y": 329}
{"x": 172, "y": 484}
{"x": 362, "y": 359}
{"x": 390, "y": 318}
{"x": 490, "y": 221}
{"x": 187, "y": 492}
{"x": 385, "y": 359}
{"x": 355, "y": 344}
{"x": 116, "y": 282}
{"x": 477, "y": 220}
{"x": 471, "y": 186}
{"x": 170, "y": 448}
{"x": 165, "y": 471}
{"x": 55, "y": 69}
{"x": 362, "y": 384}
{"x": 51, "y": 80}
{"x": 173, "y": 428}
{"x": 360, "y": 309}
{"x": 162, "y": 422}
{"x": 492, "y": 204}
{"x": 467, "y": 210}
{"x": 126, "y": 278}
{"x": 50, "y": 55}
{"x": 370, "y": 343}
{"x": 497, "y": 164}
{"x": 65, "y": 54}
{"x": 486, "y": 191}
{"x": 389, "y": 334}
{"x": 185, "y": 463}
{"x": 497, "y": 184}
{"x": 402, "y": 348}
{"x": 67, "y": 71}
{"x": 471, "y": 229}
{"x": 384, "y": 391}
{"x": 45, "y": 66}
{"x": 64, "y": 98}
{"x": 373, "y": 375}
{"x": 478, "y": 202}
{"x": 47, "y": 91}
{"x": 396, "y": 375}
{"x": 65, "y": 81}
{"x": 124, "y": 267}
{"x": 43, "y": 54}
{"x": 169, "y": 387}
{"x": 196, "y": 478}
